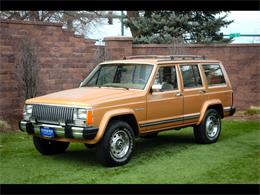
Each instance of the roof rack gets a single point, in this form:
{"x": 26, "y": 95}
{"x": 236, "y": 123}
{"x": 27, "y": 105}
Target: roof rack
{"x": 144, "y": 56}
{"x": 168, "y": 57}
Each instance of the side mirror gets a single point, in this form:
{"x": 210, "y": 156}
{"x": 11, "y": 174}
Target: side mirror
{"x": 81, "y": 83}
{"x": 156, "y": 88}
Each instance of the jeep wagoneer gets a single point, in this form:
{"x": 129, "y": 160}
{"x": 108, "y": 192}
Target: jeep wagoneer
{"x": 135, "y": 97}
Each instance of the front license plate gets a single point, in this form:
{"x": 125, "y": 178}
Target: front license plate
{"x": 47, "y": 132}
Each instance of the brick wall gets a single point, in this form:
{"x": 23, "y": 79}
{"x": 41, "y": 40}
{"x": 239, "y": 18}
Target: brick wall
{"x": 65, "y": 59}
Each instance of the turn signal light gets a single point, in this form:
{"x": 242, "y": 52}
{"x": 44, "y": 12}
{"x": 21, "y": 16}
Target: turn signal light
{"x": 89, "y": 117}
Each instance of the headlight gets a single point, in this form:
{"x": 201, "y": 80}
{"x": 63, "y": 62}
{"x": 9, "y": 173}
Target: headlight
{"x": 27, "y": 112}
{"x": 81, "y": 113}
{"x": 83, "y": 116}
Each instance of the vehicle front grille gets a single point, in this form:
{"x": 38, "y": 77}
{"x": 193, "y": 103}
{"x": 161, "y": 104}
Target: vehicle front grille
{"x": 53, "y": 113}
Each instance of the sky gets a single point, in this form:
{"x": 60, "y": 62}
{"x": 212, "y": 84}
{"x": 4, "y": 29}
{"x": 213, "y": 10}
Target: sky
{"x": 245, "y": 22}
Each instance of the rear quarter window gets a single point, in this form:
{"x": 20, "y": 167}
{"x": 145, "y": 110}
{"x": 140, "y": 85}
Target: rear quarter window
{"x": 214, "y": 74}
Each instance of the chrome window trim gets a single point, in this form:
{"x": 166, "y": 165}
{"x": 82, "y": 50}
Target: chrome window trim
{"x": 62, "y": 105}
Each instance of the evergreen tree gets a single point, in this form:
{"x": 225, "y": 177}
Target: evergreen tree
{"x": 163, "y": 26}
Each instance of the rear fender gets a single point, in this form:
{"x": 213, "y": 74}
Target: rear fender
{"x": 205, "y": 107}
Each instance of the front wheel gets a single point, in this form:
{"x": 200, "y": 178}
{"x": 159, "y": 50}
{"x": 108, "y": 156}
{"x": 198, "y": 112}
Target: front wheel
{"x": 90, "y": 146}
{"x": 117, "y": 144}
{"x": 209, "y": 130}
{"x": 48, "y": 147}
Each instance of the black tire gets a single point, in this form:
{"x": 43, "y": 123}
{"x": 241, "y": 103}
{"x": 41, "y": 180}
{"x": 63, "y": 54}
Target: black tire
{"x": 119, "y": 136}
{"x": 209, "y": 130}
{"x": 150, "y": 135}
{"x": 48, "y": 147}
{"x": 90, "y": 146}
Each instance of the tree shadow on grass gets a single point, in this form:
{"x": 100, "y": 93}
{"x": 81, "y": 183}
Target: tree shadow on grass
{"x": 161, "y": 143}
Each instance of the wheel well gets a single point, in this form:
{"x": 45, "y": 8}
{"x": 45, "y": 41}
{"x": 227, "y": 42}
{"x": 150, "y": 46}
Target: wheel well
{"x": 130, "y": 119}
{"x": 218, "y": 108}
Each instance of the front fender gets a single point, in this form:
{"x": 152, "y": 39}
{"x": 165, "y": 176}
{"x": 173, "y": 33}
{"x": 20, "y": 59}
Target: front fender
{"x": 105, "y": 120}
{"x": 205, "y": 107}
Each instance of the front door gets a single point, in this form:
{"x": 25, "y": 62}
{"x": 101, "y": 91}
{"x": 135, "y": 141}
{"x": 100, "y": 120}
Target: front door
{"x": 165, "y": 102}
{"x": 193, "y": 92}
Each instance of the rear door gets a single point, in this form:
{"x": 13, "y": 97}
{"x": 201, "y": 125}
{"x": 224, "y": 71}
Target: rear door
{"x": 193, "y": 92}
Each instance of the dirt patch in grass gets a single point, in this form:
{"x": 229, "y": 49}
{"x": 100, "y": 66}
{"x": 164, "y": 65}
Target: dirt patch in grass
{"x": 251, "y": 114}
{"x": 4, "y": 127}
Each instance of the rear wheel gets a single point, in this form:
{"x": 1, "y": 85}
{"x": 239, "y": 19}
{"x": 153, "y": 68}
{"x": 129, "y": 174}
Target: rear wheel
{"x": 117, "y": 144}
{"x": 209, "y": 129}
{"x": 48, "y": 147}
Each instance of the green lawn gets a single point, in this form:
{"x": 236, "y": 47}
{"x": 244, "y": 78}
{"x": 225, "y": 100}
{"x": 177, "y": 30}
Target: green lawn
{"x": 172, "y": 157}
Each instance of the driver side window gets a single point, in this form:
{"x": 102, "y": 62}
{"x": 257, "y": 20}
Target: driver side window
{"x": 166, "y": 79}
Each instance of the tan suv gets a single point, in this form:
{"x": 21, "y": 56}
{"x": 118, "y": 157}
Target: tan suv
{"x": 135, "y": 97}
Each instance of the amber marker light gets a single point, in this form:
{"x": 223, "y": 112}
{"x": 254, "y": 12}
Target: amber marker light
{"x": 89, "y": 117}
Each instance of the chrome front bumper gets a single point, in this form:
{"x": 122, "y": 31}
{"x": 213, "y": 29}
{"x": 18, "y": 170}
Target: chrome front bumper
{"x": 66, "y": 131}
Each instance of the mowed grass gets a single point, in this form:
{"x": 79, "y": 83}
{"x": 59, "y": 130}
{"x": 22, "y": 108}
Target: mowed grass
{"x": 173, "y": 157}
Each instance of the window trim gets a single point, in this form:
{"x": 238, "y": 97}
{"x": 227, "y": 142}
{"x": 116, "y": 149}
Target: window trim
{"x": 177, "y": 75}
{"x": 200, "y": 74}
{"x": 214, "y": 85}
{"x": 217, "y": 86}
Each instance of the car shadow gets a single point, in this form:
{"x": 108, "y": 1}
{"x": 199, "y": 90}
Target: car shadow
{"x": 85, "y": 156}
{"x": 78, "y": 156}
{"x": 163, "y": 142}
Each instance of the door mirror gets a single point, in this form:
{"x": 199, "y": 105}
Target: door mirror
{"x": 81, "y": 83}
{"x": 156, "y": 88}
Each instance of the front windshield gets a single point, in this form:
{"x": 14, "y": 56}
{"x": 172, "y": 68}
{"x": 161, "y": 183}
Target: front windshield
{"x": 127, "y": 76}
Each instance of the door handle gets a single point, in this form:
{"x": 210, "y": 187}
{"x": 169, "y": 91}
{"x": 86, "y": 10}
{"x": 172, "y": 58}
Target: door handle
{"x": 178, "y": 94}
{"x": 203, "y": 91}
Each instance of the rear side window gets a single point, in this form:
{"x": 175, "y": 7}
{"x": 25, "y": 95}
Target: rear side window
{"x": 214, "y": 74}
{"x": 191, "y": 76}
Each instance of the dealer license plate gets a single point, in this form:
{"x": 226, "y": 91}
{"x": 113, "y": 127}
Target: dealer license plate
{"x": 47, "y": 132}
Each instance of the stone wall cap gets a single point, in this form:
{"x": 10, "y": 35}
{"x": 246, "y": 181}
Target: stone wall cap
{"x": 30, "y": 22}
{"x": 196, "y": 45}
{"x": 118, "y": 38}
{"x": 152, "y": 45}
{"x": 224, "y": 45}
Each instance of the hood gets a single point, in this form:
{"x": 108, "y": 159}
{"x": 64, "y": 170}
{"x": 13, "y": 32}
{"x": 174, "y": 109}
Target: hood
{"x": 85, "y": 96}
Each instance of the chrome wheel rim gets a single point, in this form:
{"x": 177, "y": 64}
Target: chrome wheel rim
{"x": 212, "y": 126}
{"x": 120, "y": 143}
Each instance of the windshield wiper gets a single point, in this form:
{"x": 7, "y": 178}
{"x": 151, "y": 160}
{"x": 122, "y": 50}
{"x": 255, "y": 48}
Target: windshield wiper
{"x": 115, "y": 86}
{"x": 92, "y": 86}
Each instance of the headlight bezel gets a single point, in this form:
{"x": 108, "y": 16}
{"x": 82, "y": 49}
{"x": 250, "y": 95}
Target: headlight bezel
{"x": 81, "y": 116}
{"x": 27, "y": 111}
{"x": 80, "y": 113}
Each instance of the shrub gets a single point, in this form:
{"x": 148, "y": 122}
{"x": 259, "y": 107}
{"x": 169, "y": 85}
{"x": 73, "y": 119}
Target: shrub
{"x": 27, "y": 67}
{"x": 253, "y": 110}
